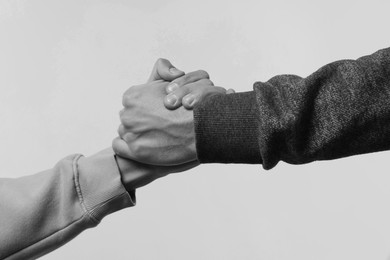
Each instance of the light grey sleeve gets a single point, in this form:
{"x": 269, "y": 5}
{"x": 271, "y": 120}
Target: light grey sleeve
{"x": 41, "y": 212}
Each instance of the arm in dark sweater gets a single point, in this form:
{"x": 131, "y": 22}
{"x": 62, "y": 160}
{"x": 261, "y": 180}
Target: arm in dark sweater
{"x": 340, "y": 110}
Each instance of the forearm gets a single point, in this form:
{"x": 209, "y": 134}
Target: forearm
{"x": 340, "y": 110}
{"x": 41, "y": 212}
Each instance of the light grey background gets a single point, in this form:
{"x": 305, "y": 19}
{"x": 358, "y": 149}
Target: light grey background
{"x": 65, "y": 64}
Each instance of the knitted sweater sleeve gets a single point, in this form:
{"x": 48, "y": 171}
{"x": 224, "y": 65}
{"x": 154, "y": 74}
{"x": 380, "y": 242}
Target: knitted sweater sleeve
{"x": 342, "y": 109}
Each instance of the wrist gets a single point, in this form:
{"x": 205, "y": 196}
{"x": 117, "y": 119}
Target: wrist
{"x": 134, "y": 174}
{"x": 226, "y": 129}
{"x": 99, "y": 185}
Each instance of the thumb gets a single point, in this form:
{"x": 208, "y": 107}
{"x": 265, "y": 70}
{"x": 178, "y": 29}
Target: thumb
{"x": 164, "y": 70}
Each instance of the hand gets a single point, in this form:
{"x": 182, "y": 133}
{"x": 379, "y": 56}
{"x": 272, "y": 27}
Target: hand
{"x": 150, "y": 133}
{"x": 190, "y": 89}
{"x": 136, "y": 174}
{"x": 186, "y": 90}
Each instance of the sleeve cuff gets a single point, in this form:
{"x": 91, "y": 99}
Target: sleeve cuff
{"x": 99, "y": 186}
{"x": 226, "y": 129}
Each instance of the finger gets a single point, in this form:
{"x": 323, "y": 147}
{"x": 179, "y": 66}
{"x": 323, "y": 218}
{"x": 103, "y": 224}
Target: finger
{"x": 230, "y": 91}
{"x": 126, "y": 120}
{"x": 198, "y": 95}
{"x": 125, "y": 134}
{"x": 182, "y": 167}
{"x": 164, "y": 70}
{"x": 121, "y": 130}
{"x": 174, "y": 99}
{"x": 186, "y": 79}
{"x": 121, "y": 148}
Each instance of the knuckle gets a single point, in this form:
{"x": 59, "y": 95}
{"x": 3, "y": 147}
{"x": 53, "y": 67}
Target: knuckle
{"x": 131, "y": 89}
{"x": 184, "y": 90}
{"x": 125, "y": 120}
{"x": 160, "y": 61}
{"x": 121, "y": 130}
{"x": 126, "y": 100}
{"x": 121, "y": 112}
{"x": 116, "y": 147}
{"x": 130, "y": 137}
{"x": 203, "y": 74}
{"x": 120, "y": 148}
{"x": 129, "y": 96}
{"x": 182, "y": 80}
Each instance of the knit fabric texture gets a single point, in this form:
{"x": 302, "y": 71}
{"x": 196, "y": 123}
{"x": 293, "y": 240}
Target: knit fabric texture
{"x": 342, "y": 109}
{"x": 226, "y": 129}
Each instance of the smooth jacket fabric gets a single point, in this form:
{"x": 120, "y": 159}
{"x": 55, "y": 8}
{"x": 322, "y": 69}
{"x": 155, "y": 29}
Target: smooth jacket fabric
{"x": 342, "y": 109}
{"x": 41, "y": 212}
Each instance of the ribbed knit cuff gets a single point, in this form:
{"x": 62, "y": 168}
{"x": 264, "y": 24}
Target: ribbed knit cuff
{"x": 226, "y": 129}
{"x": 99, "y": 185}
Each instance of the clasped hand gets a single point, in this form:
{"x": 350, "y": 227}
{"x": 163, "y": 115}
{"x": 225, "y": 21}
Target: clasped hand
{"x": 157, "y": 125}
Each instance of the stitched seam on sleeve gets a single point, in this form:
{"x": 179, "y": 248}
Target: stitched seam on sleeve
{"x": 81, "y": 199}
{"x": 104, "y": 203}
{"x": 78, "y": 188}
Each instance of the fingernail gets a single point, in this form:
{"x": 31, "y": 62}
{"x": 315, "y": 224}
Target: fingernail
{"x": 172, "y": 87}
{"x": 171, "y": 99}
{"x": 173, "y": 70}
{"x": 190, "y": 100}
{"x": 230, "y": 91}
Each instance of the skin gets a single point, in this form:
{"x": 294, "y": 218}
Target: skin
{"x": 137, "y": 174}
{"x": 190, "y": 89}
{"x": 151, "y": 134}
